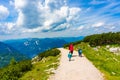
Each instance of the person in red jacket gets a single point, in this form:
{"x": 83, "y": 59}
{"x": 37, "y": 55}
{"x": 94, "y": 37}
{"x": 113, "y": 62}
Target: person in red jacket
{"x": 71, "y": 48}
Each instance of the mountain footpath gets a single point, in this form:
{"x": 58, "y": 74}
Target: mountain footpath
{"x": 79, "y": 68}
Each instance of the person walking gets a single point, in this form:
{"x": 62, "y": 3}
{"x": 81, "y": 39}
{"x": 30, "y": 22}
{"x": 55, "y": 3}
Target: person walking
{"x": 71, "y": 48}
{"x": 80, "y": 52}
{"x": 69, "y": 56}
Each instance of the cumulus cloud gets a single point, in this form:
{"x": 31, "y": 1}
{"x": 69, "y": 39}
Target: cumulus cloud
{"x": 29, "y": 15}
{"x": 4, "y": 13}
{"x": 45, "y": 15}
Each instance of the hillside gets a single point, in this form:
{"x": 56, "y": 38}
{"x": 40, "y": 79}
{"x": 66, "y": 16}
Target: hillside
{"x": 37, "y": 69}
{"x": 43, "y": 64}
{"x": 7, "y": 53}
{"x": 33, "y": 46}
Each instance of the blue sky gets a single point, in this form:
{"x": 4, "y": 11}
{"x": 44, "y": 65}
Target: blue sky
{"x": 57, "y": 18}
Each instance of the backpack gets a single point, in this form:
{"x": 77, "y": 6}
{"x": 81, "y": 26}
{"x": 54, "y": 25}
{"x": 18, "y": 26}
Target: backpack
{"x": 69, "y": 55}
{"x": 80, "y": 50}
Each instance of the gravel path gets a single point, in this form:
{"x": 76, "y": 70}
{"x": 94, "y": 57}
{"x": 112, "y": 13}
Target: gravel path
{"x": 80, "y": 68}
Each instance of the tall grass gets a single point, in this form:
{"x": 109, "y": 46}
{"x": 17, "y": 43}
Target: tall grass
{"x": 108, "y": 63}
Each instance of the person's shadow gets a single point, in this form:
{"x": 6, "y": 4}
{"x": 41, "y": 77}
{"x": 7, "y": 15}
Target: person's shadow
{"x": 74, "y": 55}
{"x": 72, "y": 60}
{"x": 77, "y": 56}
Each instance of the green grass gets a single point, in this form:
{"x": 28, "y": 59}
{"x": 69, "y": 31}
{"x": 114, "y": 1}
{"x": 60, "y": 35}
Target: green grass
{"x": 42, "y": 69}
{"x": 108, "y": 63}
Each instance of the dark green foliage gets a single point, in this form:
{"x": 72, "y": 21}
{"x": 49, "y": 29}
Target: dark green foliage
{"x": 15, "y": 71}
{"x": 13, "y": 61}
{"x": 51, "y": 52}
{"x": 103, "y": 39}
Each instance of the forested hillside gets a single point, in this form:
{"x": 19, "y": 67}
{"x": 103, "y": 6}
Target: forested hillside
{"x": 103, "y": 39}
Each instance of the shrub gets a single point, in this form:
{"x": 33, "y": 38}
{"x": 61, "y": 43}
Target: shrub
{"x": 15, "y": 71}
{"x": 51, "y": 52}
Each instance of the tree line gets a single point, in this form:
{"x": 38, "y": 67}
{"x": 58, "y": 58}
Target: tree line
{"x": 100, "y": 39}
{"x": 103, "y": 39}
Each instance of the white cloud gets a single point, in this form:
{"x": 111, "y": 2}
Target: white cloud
{"x": 74, "y": 11}
{"x": 62, "y": 27}
{"x": 48, "y": 15}
{"x": 20, "y": 20}
{"x": 48, "y": 23}
{"x": 4, "y": 13}
{"x": 20, "y": 3}
{"x": 99, "y": 24}
{"x": 24, "y": 30}
{"x": 11, "y": 3}
{"x": 80, "y": 28}
{"x": 113, "y": 27}
{"x": 54, "y": 4}
{"x": 7, "y": 28}
{"x": 95, "y": 2}
{"x": 63, "y": 12}
{"x": 29, "y": 15}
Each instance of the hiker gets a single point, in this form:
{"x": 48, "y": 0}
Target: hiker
{"x": 80, "y": 52}
{"x": 69, "y": 56}
{"x": 71, "y": 48}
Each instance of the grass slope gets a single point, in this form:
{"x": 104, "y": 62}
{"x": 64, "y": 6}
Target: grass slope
{"x": 42, "y": 69}
{"x": 106, "y": 62}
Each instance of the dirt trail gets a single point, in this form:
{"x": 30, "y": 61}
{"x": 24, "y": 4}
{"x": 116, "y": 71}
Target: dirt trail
{"x": 80, "y": 68}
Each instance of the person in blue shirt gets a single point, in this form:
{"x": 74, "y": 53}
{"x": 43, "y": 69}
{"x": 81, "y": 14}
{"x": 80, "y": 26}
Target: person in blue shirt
{"x": 69, "y": 56}
{"x": 80, "y": 52}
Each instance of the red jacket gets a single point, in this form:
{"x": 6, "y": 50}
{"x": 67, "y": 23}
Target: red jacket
{"x": 71, "y": 47}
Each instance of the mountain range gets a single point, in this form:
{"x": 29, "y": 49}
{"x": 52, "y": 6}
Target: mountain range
{"x": 27, "y": 48}
{"x": 32, "y": 46}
